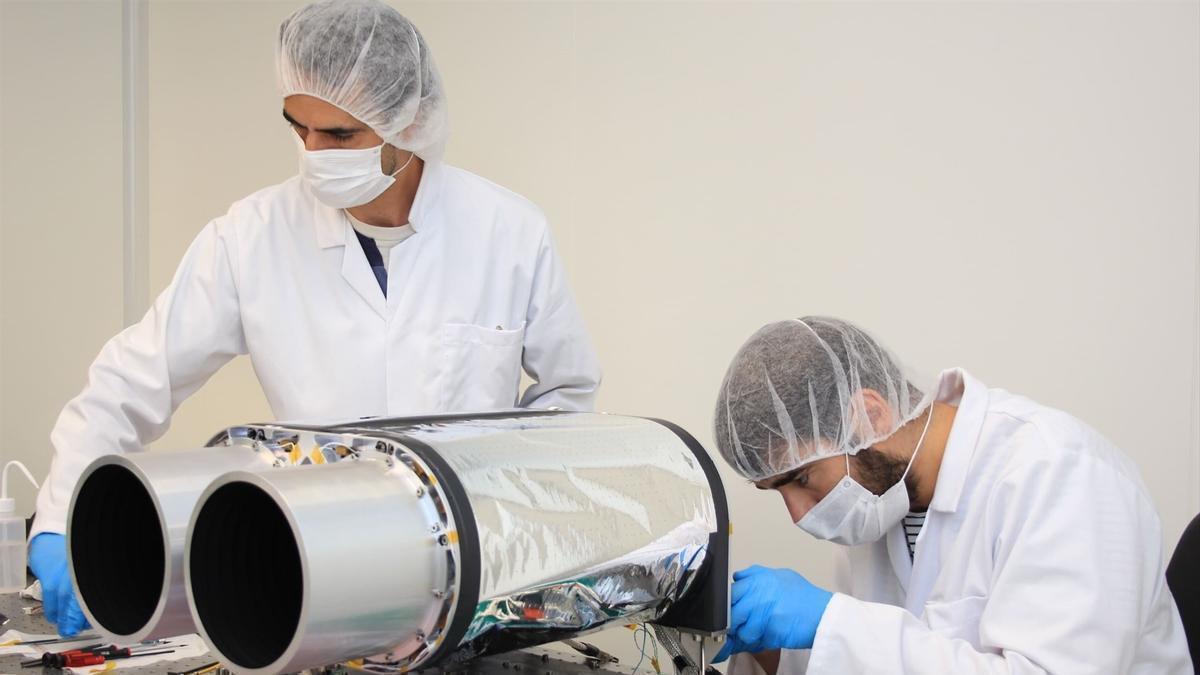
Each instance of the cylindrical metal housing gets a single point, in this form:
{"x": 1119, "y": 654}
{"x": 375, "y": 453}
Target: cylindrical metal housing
{"x": 441, "y": 539}
{"x": 126, "y": 532}
{"x": 304, "y": 566}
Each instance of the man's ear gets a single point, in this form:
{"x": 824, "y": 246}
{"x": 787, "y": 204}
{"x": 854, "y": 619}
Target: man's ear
{"x": 879, "y": 413}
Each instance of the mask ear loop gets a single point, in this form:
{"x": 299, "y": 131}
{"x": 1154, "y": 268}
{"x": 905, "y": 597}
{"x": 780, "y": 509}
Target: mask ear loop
{"x": 920, "y": 442}
{"x": 410, "y": 159}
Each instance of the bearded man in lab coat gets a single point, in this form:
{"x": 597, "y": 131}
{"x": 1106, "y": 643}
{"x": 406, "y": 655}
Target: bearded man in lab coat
{"x": 981, "y": 532}
{"x": 379, "y": 281}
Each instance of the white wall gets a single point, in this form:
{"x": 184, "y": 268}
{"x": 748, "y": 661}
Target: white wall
{"x": 216, "y": 135}
{"x": 60, "y": 213}
{"x": 1009, "y": 187}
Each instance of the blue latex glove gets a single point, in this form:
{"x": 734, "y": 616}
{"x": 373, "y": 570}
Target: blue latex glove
{"x": 774, "y": 609}
{"x": 48, "y": 560}
{"x": 731, "y": 647}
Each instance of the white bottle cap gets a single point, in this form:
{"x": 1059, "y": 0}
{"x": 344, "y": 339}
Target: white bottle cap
{"x": 8, "y": 505}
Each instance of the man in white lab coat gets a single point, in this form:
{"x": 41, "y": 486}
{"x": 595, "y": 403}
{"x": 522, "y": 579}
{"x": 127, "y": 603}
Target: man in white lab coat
{"x": 379, "y": 281}
{"x": 982, "y": 532}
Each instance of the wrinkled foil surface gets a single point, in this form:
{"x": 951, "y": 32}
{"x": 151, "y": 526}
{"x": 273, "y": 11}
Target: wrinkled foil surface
{"x": 618, "y": 534}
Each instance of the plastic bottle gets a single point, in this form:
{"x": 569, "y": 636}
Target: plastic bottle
{"x": 12, "y": 535}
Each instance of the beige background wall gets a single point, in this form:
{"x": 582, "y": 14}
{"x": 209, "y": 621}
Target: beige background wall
{"x": 1008, "y": 187}
{"x": 60, "y": 213}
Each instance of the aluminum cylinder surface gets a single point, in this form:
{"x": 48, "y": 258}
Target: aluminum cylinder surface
{"x": 304, "y": 566}
{"x": 498, "y": 531}
{"x": 126, "y": 531}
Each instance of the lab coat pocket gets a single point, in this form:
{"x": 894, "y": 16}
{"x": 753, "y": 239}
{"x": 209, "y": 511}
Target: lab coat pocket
{"x": 481, "y": 367}
{"x": 957, "y": 618}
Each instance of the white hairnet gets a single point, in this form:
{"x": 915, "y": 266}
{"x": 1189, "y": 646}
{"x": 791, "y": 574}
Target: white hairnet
{"x": 792, "y": 395}
{"x": 367, "y": 59}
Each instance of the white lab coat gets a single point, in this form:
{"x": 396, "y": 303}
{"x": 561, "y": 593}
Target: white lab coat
{"x": 475, "y": 294}
{"x": 1041, "y": 553}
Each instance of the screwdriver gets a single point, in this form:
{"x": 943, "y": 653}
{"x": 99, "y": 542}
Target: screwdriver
{"x": 48, "y": 641}
{"x": 49, "y": 658}
{"x": 114, "y": 651}
{"x": 99, "y": 648}
{"x": 77, "y": 659}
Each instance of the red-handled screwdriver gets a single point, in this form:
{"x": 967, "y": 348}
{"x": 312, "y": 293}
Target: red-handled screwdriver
{"x": 49, "y": 659}
{"x": 81, "y": 659}
{"x": 77, "y": 659}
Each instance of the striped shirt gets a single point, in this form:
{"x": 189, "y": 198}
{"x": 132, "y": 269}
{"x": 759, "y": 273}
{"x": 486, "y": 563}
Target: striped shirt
{"x": 913, "y": 523}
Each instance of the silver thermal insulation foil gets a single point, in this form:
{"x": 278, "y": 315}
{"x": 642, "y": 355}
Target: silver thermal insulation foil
{"x": 582, "y": 520}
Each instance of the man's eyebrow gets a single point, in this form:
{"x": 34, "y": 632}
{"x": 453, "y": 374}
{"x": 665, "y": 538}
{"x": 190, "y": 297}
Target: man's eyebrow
{"x": 336, "y": 131}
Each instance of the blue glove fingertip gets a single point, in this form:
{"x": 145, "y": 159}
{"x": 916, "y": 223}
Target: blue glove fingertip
{"x": 746, "y": 586}
{"x": 74, "y": 620}
{"x": 737, "y": 619}
{"x": 748, "y": 571}
{"x": 48, "y": 560}
{"x": 66, "y": 625}
{"x": 66, "y": 600}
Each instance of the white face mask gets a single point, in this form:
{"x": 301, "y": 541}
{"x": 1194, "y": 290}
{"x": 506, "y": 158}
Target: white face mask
{"x": 851, "y": 514}
{"x": 343, "y": 179}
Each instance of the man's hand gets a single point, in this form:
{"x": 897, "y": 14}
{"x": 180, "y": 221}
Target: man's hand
{"x": 773, "y": 609}
{"x": 48, "y": 560}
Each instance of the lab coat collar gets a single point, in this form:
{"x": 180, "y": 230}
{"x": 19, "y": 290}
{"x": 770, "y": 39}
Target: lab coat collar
{"x": 957, "y": 387}
{"x": 421, "y": 215}
{"x": 333, "y": 228}
{"x": 331, "y": 224}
